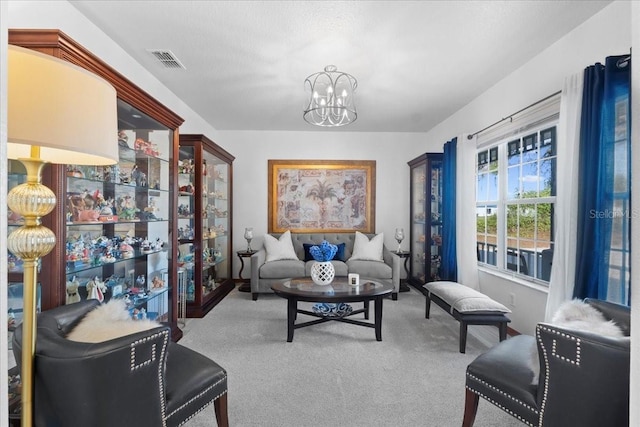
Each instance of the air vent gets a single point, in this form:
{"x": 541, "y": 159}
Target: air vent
{"x": 166, "y": 58}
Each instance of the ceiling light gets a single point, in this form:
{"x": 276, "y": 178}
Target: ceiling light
{"x": 331, "y": 100}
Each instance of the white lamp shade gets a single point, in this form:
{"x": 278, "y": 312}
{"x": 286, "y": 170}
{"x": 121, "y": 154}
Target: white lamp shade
{"x": 67, "y": 111}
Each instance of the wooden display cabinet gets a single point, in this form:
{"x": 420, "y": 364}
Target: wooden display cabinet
{"x": 204, "y": 223}
{"x": 145, "y": 178}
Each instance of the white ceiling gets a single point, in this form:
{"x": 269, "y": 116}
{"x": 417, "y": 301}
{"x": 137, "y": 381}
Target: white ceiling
{"x": 416, "y": 62}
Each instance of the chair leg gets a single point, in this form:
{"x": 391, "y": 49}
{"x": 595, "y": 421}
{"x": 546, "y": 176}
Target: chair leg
{"x": 470, "y": 408}
{"x": 220, "y": 406}
{"x": 254, "y": 296}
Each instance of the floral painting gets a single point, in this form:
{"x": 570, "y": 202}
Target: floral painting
{"x": 308, "y": 196}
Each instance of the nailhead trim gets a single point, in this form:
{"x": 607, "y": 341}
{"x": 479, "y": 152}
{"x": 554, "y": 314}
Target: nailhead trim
{"x": 201, "y": 408}
{"x": 135, "y": 366}
{"x": 499, "y": 405}
{"x": 165, "y": 338}
{"x": 497, "y": 390}
{"x": 554, "y": 353}
{"x": 197, "y": 397}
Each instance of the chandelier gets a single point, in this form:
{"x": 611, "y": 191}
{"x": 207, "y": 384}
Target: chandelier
{"x": 331, "y": 98}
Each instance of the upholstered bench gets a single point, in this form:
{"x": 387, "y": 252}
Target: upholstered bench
{"x": 467, "y": 306}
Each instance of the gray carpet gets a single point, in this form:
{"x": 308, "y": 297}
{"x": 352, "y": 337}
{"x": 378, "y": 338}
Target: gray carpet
{"x": 336, "y": 373}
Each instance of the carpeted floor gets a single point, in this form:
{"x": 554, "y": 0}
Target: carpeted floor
{"x": 335, "y": 373}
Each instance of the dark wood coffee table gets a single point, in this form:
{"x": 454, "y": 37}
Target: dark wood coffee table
{"x": 339, "y": 291}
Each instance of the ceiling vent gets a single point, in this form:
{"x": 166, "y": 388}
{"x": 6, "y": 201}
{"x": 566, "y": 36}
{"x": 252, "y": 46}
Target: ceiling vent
{"x": 166, "y": 58}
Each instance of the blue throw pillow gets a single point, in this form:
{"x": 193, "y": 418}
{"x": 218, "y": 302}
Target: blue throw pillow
{"x": 307, "y": 253}
{"x": 339, "y": 256}
{"x": 340, "y": 253}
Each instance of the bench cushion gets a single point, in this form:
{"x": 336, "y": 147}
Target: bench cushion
{"x": 464, "y": 299}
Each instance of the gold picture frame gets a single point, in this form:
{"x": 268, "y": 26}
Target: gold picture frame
{"x": 315, "y": 196}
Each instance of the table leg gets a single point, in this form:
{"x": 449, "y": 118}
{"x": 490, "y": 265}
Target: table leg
{"x": 245, "y": 286}
{"x": 366, "y": 310}
{"x": 292, "y": 310}
{"x": 378, "y": 318}
{"x": 404, "y": 287}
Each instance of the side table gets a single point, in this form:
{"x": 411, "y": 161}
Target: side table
{"x": 406, "y": 255}
{"x": 245, "y": 286}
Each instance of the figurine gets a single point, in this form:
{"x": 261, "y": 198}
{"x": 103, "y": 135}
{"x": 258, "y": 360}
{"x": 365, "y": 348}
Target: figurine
{"x": 72, "y": 291}
{"x": 140, "y": 281}
{"x": 96, "y": 289}
{"x": 157, "y": 283}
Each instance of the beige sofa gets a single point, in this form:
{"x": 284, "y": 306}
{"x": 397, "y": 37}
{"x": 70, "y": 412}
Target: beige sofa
{"x": 263, "y": 275}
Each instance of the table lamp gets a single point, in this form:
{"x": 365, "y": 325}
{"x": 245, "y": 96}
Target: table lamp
{"x": 59, "y": 113}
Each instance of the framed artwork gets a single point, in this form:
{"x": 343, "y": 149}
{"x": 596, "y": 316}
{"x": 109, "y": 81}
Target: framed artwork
{"x": 307, "y": 196}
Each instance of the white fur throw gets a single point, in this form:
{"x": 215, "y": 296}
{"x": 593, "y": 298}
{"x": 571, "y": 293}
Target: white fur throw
{"x": 109, "y": 321}
{"x": 579, "y": 315}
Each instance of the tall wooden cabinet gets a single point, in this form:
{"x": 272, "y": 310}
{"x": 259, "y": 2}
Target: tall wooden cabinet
{"x": 426, "y": 219}
{"x": 115, "y": 225}
{"x": 204, "y": 223}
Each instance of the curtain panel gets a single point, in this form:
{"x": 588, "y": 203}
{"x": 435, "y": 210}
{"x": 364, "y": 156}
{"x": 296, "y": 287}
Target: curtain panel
{"x": 602, "y": 249}
{"x": 562, "y": 276}
{"x": 449, "y": 257}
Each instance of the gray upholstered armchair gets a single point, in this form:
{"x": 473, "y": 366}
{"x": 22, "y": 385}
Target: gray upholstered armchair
{"x": 583, "y": 381}
{"x": 139, "y": 380}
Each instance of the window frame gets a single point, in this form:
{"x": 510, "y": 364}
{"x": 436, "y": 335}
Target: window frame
{"x": 502, "y": 238}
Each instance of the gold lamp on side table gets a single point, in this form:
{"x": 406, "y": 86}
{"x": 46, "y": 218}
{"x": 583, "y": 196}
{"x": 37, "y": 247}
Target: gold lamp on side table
{"x": 57, "y": 113}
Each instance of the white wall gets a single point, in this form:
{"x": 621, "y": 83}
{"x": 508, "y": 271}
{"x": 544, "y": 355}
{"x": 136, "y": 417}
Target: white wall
{"x": 606, "y": 33}
{"x": 389, "y": 150}
{"x": 62, "y": 15}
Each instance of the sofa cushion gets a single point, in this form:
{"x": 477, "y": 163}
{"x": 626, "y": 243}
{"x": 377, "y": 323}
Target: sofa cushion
{"x": 339, "y": 256}
{"x": 282, "y": 269}
{"x": 340, "y": 268}
{"x": 279, "y": 249}
{"x": 365, "y": 249}
{"x": 373, "y": 270}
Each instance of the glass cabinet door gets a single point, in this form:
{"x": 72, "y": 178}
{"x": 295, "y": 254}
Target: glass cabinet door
{"x": 215, "y": 217}
{"x": 418, "y": 223}
{"x": 426, "y": 219}
{"x": 434, "y": 219}
{"x": 118, "y": 221}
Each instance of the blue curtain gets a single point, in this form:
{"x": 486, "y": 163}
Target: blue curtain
{"x": 449, "y": 261}
{"x": 604, "y": 177}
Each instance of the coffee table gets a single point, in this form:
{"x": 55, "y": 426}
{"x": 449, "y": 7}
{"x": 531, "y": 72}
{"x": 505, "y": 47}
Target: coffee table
{"x": 339, "y": 291}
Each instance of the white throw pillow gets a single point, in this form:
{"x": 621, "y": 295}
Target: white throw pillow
{"x": 109, "y": 321}
{"x": 278, "y": 249}
{"x": 368, "y": 250}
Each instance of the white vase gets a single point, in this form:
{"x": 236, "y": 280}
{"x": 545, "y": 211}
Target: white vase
{"x": 322, "y": 273}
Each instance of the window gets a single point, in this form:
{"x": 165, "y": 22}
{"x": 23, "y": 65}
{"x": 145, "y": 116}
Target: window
{"x": 620, "y": 251}
{"x": 515, "y": 197}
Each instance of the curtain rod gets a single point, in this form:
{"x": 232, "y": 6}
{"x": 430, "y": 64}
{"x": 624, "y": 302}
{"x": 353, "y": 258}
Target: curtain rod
{"x": 470, "y": 136}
